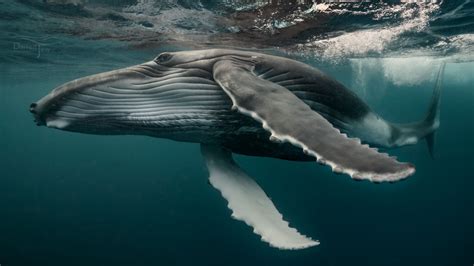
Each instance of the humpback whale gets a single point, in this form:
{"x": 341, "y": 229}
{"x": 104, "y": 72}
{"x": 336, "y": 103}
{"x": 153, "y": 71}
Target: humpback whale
{"x": 232, "y": 101}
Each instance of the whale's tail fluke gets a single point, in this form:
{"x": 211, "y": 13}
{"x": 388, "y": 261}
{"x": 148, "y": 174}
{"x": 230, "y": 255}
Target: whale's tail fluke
{"x": 432, "y": 116}
{"x": 412, "y": 132}
{"x": 430, "y": 141}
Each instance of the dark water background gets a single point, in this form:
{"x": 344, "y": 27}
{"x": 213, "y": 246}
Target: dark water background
{"x": 73, "y": 199}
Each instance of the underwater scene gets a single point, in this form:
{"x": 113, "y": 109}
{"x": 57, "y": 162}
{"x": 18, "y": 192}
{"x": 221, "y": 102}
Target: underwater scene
{"x": 236, "y": 132}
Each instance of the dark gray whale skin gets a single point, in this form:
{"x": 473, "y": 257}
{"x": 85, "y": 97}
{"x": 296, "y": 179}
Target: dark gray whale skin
{"x": 175, "y": 96}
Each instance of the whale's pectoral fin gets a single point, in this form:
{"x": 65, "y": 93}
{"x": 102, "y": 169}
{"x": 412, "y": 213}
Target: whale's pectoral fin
{"x": 290, "y": 119}
{"x": 248, "y": 201}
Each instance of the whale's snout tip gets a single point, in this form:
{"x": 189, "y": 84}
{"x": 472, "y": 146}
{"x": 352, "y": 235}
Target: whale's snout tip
{"x": 34, "y": 110}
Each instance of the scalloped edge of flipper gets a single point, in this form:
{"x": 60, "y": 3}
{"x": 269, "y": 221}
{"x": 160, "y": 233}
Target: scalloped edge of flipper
{"x": 249, "y": 203}
{"x": 307, "y": 243}
{"x": 353, "y": 173}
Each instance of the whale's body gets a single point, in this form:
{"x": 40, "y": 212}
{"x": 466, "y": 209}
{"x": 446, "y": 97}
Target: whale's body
{"x": 185, "y": 103}
{"x": 241, "y": 102}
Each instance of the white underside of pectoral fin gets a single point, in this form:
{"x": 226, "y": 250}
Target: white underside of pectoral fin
{"x": 249, "y": 203}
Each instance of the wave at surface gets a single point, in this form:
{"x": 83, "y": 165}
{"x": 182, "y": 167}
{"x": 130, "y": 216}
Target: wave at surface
{"x": 325, "y": 31}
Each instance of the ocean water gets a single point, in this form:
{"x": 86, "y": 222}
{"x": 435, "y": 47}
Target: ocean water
{"x": 76, "y": 199}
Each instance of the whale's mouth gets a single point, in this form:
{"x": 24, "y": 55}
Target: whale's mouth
{"x": 129, "y": 100}
{"x": 48, "y": 118}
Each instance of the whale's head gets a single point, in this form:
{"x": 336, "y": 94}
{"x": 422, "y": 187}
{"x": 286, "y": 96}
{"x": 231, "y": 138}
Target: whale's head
{"x": 131, "y": 100}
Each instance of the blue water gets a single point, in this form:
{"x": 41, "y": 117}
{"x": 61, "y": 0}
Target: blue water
{"x": 74, "y": 199}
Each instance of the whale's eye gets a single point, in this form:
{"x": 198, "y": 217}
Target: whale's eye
{"x": 163, "y": 58}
